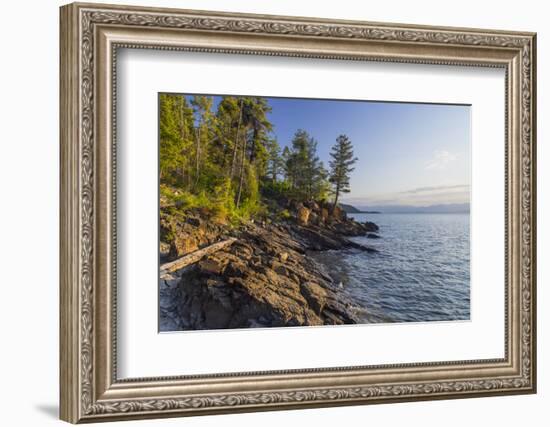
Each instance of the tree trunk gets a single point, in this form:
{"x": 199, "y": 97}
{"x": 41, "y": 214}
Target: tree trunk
{"x": 336, "y": 198}
{"x": 183, "y": 171}
{"x": 198, "y": 155}
{"x": 224, "y": 147}
{"x": 235, "y": 148}
{"x": 182, "y": 135}
{"x": 252, "y": 155}
{"x": 241, "y": 174}
{"x": 193, "y": 257}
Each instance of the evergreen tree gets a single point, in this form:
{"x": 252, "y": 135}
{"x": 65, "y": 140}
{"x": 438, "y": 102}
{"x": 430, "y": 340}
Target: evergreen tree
{"x": 303, "y": 169}
{"x": 321, "y": 185}
{"x": 220, "y": 160}
{"x": 227, "y": 114}
{"x": 288, "y": 167}
{"x": 202, "y": 106}
{"x": 231, "y": 135}
{"x": 274, "y": 161}
{"x": 254, "y": 153}
{"x": 176, "y": 137}
{"x": 341, "y": 166}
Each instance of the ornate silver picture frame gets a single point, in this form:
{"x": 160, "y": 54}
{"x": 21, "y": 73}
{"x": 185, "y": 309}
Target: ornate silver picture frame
{"x": 91, "y": 35}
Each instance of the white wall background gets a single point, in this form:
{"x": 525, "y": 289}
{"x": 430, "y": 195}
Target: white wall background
{"x": 29, "y": 171}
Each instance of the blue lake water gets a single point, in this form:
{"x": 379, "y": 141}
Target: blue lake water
{"x": 421, "y": 272}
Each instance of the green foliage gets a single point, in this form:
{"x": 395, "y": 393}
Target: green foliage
{"x": 176, "y": 133}
{"x": 341, "y": 166}
{"x": 277, "y": 190}
{"x": 275, "y": 163}
{"x": 285, "y": 214}
{"x": 227, "y": 162}
{"x": 303, "y": 170}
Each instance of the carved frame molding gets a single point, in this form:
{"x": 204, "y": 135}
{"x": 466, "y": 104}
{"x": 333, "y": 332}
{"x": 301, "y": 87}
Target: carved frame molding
{"x": 90, "y": 36}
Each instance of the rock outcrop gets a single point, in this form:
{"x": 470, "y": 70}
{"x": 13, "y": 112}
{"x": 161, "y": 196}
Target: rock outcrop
{"x": 265, "y": 277}
{"x": 302, "y": 215}
{"x": 182, "y": 234}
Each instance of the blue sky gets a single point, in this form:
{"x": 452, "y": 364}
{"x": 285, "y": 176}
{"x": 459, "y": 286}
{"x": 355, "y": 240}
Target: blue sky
{"x": 409, "y": 154}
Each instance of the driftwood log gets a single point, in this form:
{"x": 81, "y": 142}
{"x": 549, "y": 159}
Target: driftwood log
{"x": 184, "y": 261}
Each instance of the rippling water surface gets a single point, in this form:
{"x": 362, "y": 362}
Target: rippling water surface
{"x": 421, "y": 272}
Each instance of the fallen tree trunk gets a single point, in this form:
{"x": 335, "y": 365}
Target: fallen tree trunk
{"x": 193, "y": 257}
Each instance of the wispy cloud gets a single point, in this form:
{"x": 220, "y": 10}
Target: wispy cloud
{"x": 439, "y": 160}
{"x": 437, "y": 189}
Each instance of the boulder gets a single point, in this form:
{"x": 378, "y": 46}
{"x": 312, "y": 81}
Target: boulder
{"x": 312, "y": 205}
{"x": 371, "y": 226}
{"x": 324, "y": 215}
{"x": 302, "y": 215}
{"x": 184, "y": 233}
{"x": 338, "y": 213}
{"x": 313, "y": 218}
{"x": 183, "y": 244}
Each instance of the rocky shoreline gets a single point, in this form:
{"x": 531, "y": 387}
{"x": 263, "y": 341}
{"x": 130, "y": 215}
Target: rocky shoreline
{"x": 265, "y": 278}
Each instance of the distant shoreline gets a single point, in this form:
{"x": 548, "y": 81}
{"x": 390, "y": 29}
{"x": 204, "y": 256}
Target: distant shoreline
{"x": 411, "y": 212}
{"x": 456, "y": 208}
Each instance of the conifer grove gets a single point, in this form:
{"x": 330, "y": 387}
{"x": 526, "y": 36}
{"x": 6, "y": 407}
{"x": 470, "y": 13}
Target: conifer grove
{"x": 224, "y": 157}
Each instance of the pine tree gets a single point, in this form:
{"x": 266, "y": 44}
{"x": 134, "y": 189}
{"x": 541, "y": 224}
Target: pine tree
{"x": 221, "y": 160}
{"x": 202, "y": 106}
{"x": 303, "y": 169}
{"x": 321, "y": 185}
{"x": 274, "y": 161}
{"x": 341, "y": 166}
{"x": 176, "y": 137}
{"x": 254, "y": 153}
{"x": 288, "y": 166}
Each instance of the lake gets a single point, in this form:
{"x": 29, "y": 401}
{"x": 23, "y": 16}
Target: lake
{"x": 421, "y": 272}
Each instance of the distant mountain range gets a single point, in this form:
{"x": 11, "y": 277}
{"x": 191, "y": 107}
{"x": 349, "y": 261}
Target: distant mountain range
{"x": 442, "y": 208}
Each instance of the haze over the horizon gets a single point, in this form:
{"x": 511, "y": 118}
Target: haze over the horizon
{"x": 409, "y": 154}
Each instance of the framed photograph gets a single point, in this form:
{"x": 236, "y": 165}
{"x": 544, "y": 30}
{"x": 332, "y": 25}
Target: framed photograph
{"x": 266, "y": 212}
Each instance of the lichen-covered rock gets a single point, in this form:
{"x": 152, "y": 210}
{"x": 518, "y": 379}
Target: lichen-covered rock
{"x": 182, "y": 244}
{"x": 302, "y": 215}
{"x": 185, "y": 233}
{"x": 338, "y": 213}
